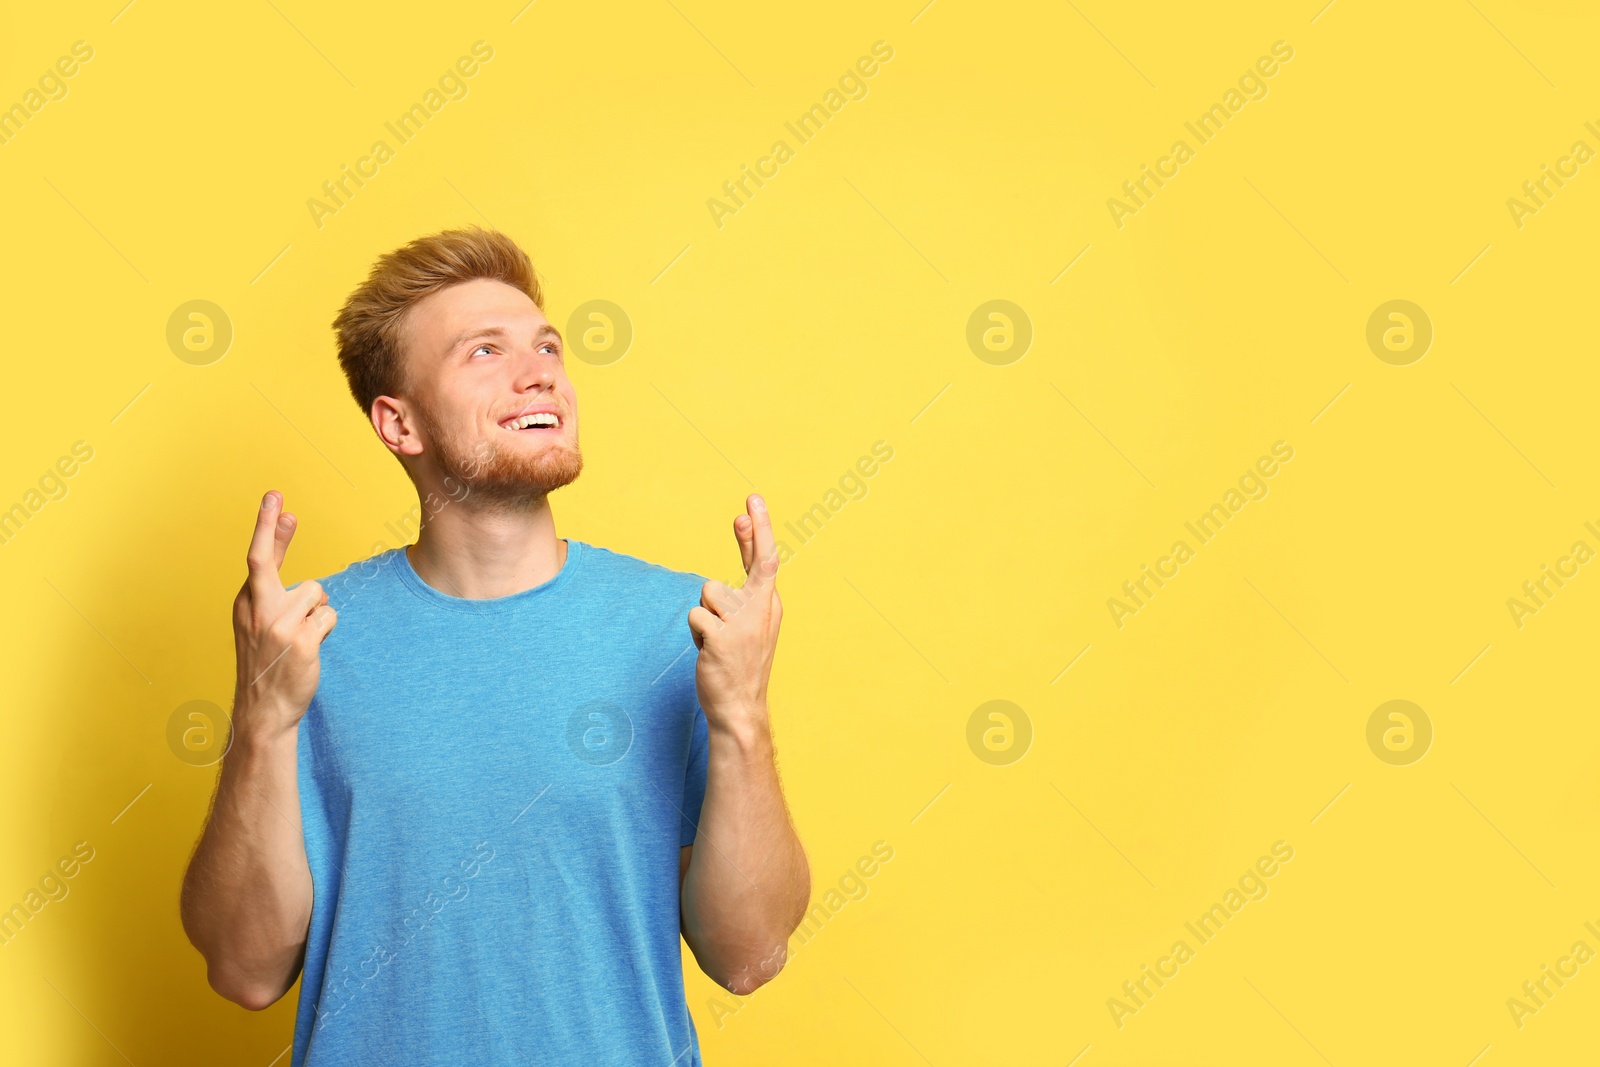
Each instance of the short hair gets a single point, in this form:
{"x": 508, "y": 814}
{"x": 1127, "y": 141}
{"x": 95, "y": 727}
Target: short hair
{"x": 368, "y": 326}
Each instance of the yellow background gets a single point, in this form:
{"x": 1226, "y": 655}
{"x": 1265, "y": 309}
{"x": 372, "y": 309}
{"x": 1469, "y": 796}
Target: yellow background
{"x": 825, "y": 316}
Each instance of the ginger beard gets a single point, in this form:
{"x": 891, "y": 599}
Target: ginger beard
{"x": 503, "y": 472}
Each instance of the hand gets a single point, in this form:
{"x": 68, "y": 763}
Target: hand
{"x": 277, "y": 634}
{"x": 736, "y": 630}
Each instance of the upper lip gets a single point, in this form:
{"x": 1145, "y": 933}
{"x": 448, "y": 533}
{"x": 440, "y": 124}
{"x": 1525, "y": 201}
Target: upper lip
{"x": 541, "y": 409}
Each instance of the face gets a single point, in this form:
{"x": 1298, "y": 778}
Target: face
{"x": 489, "y": 401}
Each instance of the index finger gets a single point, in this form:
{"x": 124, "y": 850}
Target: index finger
{"x": 763, "y": 566}
{"x": 262, "y": 559}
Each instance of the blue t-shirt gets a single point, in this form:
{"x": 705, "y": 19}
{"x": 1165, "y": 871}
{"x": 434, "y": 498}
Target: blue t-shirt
{"x": 494, "y": 794}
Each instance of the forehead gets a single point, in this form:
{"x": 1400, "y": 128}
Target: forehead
{"x": 439, "y": 319}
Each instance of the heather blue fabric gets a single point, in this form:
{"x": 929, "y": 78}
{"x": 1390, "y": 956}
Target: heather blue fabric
{"x": 494, "y": 793}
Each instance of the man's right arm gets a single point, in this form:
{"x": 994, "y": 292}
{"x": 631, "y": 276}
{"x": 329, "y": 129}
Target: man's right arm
{"x": 246, "y": 899}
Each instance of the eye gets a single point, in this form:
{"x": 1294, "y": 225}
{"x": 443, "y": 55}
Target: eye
{"x": 482, "y": 348}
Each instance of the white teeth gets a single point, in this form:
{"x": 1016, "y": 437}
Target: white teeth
{"x": 542, "y": 419}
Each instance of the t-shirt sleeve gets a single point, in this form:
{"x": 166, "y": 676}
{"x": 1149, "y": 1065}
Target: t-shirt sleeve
{"x": 694, "y": 779}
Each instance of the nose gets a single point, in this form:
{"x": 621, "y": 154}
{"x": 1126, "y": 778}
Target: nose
{"x": 535, "y": 373}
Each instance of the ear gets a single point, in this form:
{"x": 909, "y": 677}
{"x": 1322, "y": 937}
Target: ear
{"x": 396, "y": 426}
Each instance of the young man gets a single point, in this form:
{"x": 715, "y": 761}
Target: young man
{"x": 479, "y": 813}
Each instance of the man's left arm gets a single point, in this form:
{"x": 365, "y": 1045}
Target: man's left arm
{"x": 745, "y": 881}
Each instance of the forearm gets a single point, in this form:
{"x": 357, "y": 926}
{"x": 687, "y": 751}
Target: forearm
{"x": 247, "y": 894}
{"x": 748, "y": 882}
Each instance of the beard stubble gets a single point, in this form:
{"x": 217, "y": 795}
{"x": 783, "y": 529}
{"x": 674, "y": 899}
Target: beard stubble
{"x": 506, "y": 475}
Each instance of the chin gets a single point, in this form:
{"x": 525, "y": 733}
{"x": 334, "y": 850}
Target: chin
{"x": 511, "y": 474}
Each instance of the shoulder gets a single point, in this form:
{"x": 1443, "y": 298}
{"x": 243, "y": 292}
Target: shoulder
{"x": 344, "y": 586}
{"x": 638, "y": 577}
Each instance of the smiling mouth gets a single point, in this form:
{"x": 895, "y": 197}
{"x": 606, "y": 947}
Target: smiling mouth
{"x": 542, "y": 422}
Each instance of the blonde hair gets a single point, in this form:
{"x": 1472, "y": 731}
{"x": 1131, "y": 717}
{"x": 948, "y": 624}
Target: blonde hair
{"x": 368, "y": 326}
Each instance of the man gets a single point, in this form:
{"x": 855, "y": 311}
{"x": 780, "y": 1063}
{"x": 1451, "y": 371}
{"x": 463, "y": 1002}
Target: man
{"x": 478, "y": 814}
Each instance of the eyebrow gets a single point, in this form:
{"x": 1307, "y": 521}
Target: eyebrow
{"x": 476, "y": 333}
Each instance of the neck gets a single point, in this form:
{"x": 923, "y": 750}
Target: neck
{"x": 477, "y": 553}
